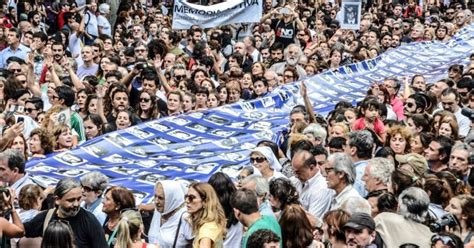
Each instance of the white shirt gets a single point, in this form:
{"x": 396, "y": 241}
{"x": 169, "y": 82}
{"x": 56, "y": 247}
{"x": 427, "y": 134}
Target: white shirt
{"x": 105, "y": 24}
{"x": 346, "y": 193}
{"x": 463, "y": 122}
{"x": 315, "y": 196}
{"x": 276, "y": 174}
{"x": 233, "y": 237}
{"x": 164, "y": 235}
{"x": 91, "y": 21}
{"x": 22, "y": 182}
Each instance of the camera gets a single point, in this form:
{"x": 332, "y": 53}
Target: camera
{"x": 447, "y": 220}
{"x": 38, "y": 58}
{"x": 469, "y": 113}
{"x": 141, "y": 66}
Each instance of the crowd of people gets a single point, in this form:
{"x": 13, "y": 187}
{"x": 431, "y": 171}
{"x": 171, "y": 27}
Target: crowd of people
{"x": 392, "y": 171}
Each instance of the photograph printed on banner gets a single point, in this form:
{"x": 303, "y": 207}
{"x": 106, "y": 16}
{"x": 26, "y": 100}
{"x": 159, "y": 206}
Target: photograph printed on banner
{"x": 217, "y": 120}
{"x": 184, "y": 149}
{"x": 118, "y": 140}
{"x": 228, "y": 109}
{"x": 71, "y": 172}
{"x": 284, "y": 96}
{"x": 198, "y": 127}
{"x": 189, "y": 161}
{"x": 205, "y": 168}
{"x": 201, "y": 140}
{"x": 169, "y": 167}
{"x": 231, "y": 169}
{"x": 138, "y": 132}
{"x": 117, "y": 159}
{"x": 222, "y": 133}
{"x": 137, "y": 150}
{"x": 159, "y": 157}
{"x": 239, "y": 124}
{"x": 157, "y": 126}
{"x": 233, "y": 156}
{"x": 44, "y": 181}
{"x": 40, "y": 167}
{"x": 161, "y": 142}
{"x": 207, "y": 153}
{"x": 124, "y": 170}
{"x": 151, "y": 178}
{"x": 146, "y": 163}
{"x": 247, "y": 106}
{"x": 264, "y": 134}
{"x": 226, "y": 143}
{"x": 261, "y": 125}
{"x": 254, "y": 115}
{"x": 181, "y": 134}
{"x": 69, "y": 159}
{"x": 95, "y": 150}
{"x": 179, "y": 121}
{"x": 139, "y": 196}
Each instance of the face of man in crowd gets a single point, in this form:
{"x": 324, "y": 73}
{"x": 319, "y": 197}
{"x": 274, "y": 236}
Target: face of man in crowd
{"x": 438, "y": 87}
{"x": 58, "y": 52}
{"x": 358, "y": 238}
{"x": 87, "y": 54}
{"x": 69, "y": 204}
{"x": 432, "y": 152}
{"x": 458, "y": 161}
{"x": 12, "y": 38}
{"x": 450, "y": 103}
{"x": 277, "y": 55}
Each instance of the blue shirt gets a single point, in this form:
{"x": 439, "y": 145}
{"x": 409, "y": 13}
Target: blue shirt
{"x": 359, "y": 185}
{"x": 21, "y": 52}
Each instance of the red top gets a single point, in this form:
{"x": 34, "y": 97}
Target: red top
{"x": 359, "y": 124}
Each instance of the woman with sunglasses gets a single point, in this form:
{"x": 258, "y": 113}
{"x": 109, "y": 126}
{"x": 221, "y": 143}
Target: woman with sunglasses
{"x": 93, "y": 185}
{"x": 206, "y": 216}
{"x": 165, "y": 227}
{"x": 147, "y": 107}
{"x": 265, "y": 161}
{"x": 115, "y": 201}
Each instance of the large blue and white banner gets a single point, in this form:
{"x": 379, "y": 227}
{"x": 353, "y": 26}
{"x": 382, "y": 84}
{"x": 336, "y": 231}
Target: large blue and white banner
{"x": 235, "y": 11}
{"x": 193, "y": 146}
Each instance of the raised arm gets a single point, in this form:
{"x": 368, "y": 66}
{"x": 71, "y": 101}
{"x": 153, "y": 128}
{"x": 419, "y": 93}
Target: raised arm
{"x": 100, "y": 103}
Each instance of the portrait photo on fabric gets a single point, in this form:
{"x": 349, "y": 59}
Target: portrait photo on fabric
{"x": 70, "y": 159}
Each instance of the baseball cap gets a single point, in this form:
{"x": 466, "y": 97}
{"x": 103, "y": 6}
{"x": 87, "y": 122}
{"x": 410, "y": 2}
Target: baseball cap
{"x": 415, "y": 161}
{"x": 359, "y": 221}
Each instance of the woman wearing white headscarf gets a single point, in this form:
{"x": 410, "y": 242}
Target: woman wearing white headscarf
{"x": 265, "y": 161}
{"x": 168, "y": 228}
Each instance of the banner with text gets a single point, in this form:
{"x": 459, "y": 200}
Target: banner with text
{"x": 191, "y": 147}
{"x": 235, "y": 11}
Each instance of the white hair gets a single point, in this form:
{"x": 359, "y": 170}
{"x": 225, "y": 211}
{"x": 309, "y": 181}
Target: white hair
{"x": 382, "y": 169}
{"x": 355, "y": 204}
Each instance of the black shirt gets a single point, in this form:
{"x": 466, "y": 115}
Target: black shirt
{"x": 284, "y": 32}
{"x": 86, "y": 228}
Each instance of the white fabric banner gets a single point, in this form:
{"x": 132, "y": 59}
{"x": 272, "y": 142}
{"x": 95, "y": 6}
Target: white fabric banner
{"x": 234, "y": 11}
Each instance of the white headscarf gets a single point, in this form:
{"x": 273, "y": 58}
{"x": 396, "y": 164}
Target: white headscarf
{"x": 268, "y": 153}
{"x": 174, "y": 195}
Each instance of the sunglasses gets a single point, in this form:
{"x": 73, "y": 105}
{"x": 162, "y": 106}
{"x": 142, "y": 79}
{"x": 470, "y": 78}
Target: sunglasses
{"x": 445, "y": 239}
{"x": 190, "y": 198}
{"x": 257, "y": 159}
{"x": 449, "y": 13}
{"x": 179, "y": 77}
{"x": 145, "y": 99}
{"x": 409, "y": 104}
{"x": 29, "y": 110}
{"x": 140, "y": 50}
{"x": 15, "y": 70}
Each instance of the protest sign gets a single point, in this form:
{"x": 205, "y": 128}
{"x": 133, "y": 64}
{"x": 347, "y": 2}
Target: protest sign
{"x": 351, "y": 14}
{"x": 191, "y": 147}
{"x": 237, "y": 11}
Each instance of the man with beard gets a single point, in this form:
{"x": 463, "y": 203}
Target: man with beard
{"x": 194, "y": 37}
{"x": 85, "y": 227}
{"x": 464, "y": 86}
{"x": 292, "y": 56}
{"x": 35, "y": 20}
{"x": 58, "y": 52}
{"x": 360, "y": 231}
{"x": 416, "y": 104}
{"x": 386, "y": 41}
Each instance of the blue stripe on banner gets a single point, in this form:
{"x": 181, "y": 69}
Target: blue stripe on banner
{"x": 191, "y": 147}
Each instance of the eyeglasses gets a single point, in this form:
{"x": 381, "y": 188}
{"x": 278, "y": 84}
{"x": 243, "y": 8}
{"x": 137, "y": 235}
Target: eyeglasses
{"x": 15, "y": 70}
{"x": 288, "y": 76}
{"x": 396, "y": 28}
{"x": 190, "y": 198}
{"x": 29, "y": 110}
{"x": 257, "y": 159}
{"x": 449, "y": 13}
{"x": 145, "y": 99}
{"x": 409, "y": 104}
{"x": 179, "y": 77}
{"x": 140, "y": 50}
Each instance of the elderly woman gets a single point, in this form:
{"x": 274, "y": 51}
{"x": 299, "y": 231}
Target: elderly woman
{"x": 406, "y": 226}
{"x": 40, "y": 143}
{"x": 167, "y": 223}
{"x": 265, "y": 161}
{"x": 93, "y": 186}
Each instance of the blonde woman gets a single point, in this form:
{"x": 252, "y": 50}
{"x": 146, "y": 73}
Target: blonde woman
{"x": 206, "y": 216}
{"x": 129, "y": 231}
